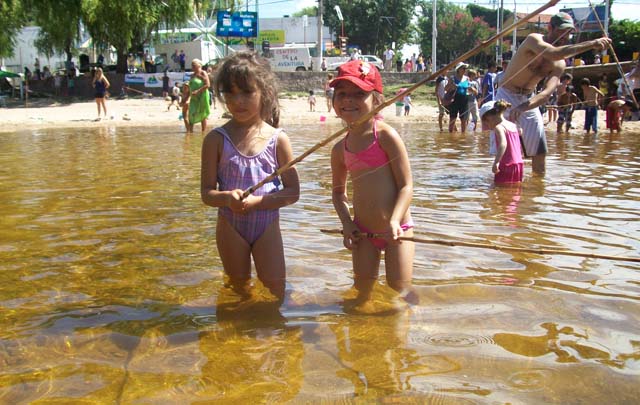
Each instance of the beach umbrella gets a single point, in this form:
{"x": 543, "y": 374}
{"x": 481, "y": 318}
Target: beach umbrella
{"x": 4, "y": 73}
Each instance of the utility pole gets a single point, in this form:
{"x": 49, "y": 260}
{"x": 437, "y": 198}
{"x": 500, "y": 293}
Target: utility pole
{"x": 434, "y": 36}
{"x": 514, "y": 44}
{"x": 320, "y": 40}
{"x": 606, "y": 23}
{"x": 499, "y": 23}
{"x": 606, "y": 19}
{"x": 305, "y": 23}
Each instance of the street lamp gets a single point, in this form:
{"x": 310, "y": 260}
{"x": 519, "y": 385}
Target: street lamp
{"x": 388, "y": 20}
{"x": 343, "y": 40}
{"x": 339, "y": 13}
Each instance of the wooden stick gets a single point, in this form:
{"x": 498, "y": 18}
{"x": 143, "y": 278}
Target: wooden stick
{"x": 136, "y": 90}
{"x": 398, "y": 96}
{"x": 613, "y": 52}
{"x": 540, "y": 251}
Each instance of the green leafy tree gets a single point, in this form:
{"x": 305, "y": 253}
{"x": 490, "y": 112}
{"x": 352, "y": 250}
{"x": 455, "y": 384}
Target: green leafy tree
{"x": 204, "y": 8}
{"x": 488, "y": 15}
{"x": 457, "y": 31}
{"x": 308, "y": 11}
{"x": 127, "y": 25}
{"x": 59, "y": 24}
{"x": 372, "y": 25}
{"x": 12, "y": 18}
{"x": 625, "y": 35}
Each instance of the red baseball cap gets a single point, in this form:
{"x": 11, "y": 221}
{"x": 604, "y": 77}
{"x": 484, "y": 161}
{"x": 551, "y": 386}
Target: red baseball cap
{"x": 361, "y": 73}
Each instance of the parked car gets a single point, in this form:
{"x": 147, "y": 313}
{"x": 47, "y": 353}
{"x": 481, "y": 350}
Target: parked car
{"x": 372, "y": 59}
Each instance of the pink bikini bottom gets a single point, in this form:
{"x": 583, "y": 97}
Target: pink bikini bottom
{"x": 381, "y": 243}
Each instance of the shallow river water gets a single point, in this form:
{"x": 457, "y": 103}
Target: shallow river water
{"x": 111, "y": 289}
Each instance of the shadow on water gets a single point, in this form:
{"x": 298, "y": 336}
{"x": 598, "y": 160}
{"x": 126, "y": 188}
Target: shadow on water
{"x": 111, "y": 289}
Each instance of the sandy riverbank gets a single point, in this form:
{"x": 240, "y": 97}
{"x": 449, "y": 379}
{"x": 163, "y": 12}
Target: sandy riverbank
{"x": 153, "y": 112}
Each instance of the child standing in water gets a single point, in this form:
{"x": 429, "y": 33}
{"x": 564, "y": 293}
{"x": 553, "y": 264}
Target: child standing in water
{"x": 373, "y": 154}
{"x": 592, "y": 97}
{"x": 508, "y": 165}
{"x": 566, "y": 106}
{"x": 239, "y": 154}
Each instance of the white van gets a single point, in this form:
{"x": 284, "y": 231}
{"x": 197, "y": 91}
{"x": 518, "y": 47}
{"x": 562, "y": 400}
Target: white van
{"x": 290, "y": 59}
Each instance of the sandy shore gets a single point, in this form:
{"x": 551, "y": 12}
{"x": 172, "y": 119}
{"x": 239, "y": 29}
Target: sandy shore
{"x": 153, "y": 112}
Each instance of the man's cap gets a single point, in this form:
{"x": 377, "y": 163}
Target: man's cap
{"x": 486, "y": 107}
{"x": 562, "y": 21}
{"x": 362, "y": 74}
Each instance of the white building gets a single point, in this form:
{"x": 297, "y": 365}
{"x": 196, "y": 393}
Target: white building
{"x": 295, "y": 31}
{"x": 279, "y": 31}
{"x": 25, "y": 53}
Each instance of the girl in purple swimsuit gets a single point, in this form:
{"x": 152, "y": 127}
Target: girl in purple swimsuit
{"x": 375, "y": 157}
{"x": 238, "y": 155}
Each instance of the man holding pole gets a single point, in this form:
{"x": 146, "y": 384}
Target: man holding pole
{"x": 539, "y": 57}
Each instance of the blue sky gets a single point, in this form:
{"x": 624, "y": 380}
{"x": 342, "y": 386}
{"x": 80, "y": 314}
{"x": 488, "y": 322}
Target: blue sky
{"x": 621, "y": 8}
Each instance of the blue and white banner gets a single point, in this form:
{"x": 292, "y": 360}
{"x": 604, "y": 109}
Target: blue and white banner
{"x": 134, "y": 79}
{"x": 155, "y": 79}
{"x": 585, "y": 19}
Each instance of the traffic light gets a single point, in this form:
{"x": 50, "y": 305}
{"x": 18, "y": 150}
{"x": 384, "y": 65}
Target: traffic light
{"x": 266, "y": 47}
{"x": 343, "y": 45}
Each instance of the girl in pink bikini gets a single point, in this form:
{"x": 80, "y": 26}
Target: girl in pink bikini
{"x": 508, "y": 166}
{"x": 374, "y": 156}
{"x": 239, "y": 154}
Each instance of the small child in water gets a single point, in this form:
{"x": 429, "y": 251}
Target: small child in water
{"x": 616, "y": 111}
{"x": 508, "y": 166}
{"x": 592, "y": 97}
{"x": 372, "y": 153}
{"x": 567, "y": 102}
{"x": 240, "y": 154}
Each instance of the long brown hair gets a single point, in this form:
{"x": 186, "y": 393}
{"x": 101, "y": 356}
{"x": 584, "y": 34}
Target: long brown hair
{"x": 247, "y": 70}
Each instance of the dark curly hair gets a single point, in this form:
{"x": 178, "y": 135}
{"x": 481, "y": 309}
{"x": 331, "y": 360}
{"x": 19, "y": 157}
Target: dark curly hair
{"x": 248, "y": 71}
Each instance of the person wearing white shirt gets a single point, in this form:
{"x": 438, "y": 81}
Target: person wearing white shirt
{"x": 388, "y": 59}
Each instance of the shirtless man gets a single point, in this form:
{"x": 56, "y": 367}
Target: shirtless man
{"x": 592, "y": 99}
{"x": 539, "y": 57}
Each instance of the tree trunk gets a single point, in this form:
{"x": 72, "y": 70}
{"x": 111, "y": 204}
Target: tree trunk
{"x": 67, "y": 51}
{"x": 121, "y": 65}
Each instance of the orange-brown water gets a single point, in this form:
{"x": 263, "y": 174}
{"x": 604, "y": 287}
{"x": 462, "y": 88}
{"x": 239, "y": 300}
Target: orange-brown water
{"x": 111, "y": 289}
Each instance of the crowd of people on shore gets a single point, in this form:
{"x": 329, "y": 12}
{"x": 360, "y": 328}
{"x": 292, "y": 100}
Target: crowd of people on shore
{"x": 482, "y": 86}
{"x": 533, "y": 83}
{"x": 413, "y": 64}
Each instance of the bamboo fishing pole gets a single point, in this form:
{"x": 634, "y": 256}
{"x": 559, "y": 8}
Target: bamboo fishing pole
{"x": 615, "y": 57}
{"x": 398, "y": 96}
{"x": 136, "y": 91}
{"x": 540, "y": 251}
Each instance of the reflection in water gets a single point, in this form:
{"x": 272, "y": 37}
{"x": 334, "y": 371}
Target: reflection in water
{"x": 567, "y": 345}
{"x": 251, "y": 353}
{"x": 377, "y": 364}
{"x": 111, "y": 289}
{"x": 503, "y": 203}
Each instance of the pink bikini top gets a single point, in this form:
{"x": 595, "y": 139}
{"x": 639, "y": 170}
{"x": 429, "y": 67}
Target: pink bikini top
{"x": 371, "y": 157}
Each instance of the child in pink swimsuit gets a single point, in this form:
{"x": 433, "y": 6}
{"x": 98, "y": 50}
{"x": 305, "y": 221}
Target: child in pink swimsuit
{"x": 238, "y": 155}
{"x": 508, "y": 166}
{"x": 374, "y": 156}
